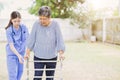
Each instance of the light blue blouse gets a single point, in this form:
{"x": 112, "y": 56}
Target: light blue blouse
{"x": 45, "y": 42}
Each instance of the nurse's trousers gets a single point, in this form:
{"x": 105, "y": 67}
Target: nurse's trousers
{"x": 15, "y": 69}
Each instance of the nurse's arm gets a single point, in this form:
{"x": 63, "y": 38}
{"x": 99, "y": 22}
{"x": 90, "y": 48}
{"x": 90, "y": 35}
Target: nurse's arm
{"x": 16, "y": 52}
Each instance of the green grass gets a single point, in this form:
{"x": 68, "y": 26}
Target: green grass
{"x": 92, "y": 58}
{"x": 97, "y": 53}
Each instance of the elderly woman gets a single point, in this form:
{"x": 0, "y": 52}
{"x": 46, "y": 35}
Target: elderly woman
{"x": 46, "y": 42}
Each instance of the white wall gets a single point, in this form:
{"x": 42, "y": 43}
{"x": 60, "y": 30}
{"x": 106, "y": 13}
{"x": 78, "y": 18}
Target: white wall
{"x": 70, "y": 32}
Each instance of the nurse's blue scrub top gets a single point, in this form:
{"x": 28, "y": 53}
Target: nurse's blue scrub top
{"x": 18, "y": 38}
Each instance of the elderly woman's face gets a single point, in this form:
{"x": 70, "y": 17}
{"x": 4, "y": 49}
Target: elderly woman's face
{"x": 44, "y": 20}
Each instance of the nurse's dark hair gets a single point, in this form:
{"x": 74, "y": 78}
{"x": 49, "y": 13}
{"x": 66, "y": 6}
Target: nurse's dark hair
{"x": 44, "y": 11}
{"x": 14, "y": 14}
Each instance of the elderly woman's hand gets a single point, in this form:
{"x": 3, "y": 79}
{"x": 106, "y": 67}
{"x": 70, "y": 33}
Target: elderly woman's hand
{"x": 61, "y": 55}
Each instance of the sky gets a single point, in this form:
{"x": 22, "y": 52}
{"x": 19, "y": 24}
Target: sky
{"x": 10, "y": 5}
{"x": 99, "y": 4}
{"x": 16, "y": 3}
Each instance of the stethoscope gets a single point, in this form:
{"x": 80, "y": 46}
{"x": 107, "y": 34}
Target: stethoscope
{"x": 21, "y": 33}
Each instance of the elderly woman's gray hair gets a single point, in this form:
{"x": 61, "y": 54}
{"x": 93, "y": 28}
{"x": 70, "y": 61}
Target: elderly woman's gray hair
{"x": 44, "y": 11}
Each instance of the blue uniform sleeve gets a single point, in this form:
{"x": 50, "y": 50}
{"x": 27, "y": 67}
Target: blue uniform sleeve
{"x": 59, "y": 38}
{"x": 31, "y": 38}
{"x": 9, "y": 35}
{"x": 26, "y": 33}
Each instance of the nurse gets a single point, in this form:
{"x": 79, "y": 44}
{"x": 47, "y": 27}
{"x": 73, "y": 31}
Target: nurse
{"x": 16, "y": 34}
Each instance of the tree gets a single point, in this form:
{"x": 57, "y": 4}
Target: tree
{"x": 60, "y": 8}
{"x": 83, "y": 16}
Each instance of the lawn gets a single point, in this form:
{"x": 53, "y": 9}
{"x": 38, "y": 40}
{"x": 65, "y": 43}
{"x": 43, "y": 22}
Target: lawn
{"x": 84, "y": 61}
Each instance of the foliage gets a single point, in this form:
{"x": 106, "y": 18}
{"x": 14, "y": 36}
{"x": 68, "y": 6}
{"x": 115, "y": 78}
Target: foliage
{"x": 82, "y": 16}
{"x": 60, "y": 8}
{"x": 116, "y": 12}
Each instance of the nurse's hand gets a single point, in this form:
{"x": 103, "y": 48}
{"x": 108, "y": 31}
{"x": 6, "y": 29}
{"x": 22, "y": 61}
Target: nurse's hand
{"x": 21, "y": 59}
